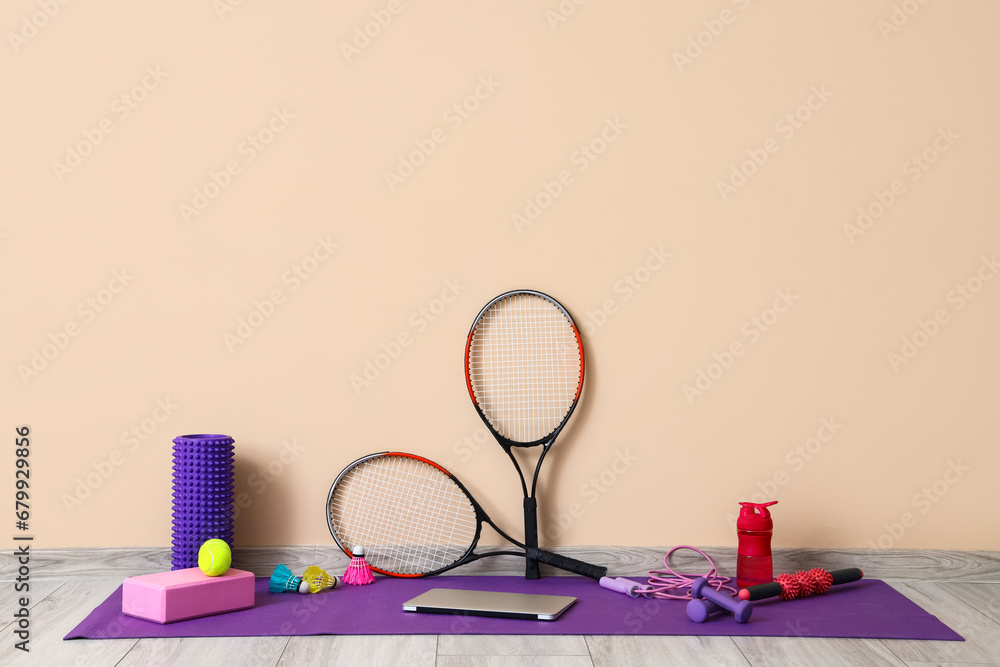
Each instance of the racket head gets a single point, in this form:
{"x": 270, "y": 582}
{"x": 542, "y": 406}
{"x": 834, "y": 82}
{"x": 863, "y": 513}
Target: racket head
{"x": 412, "y": 516}
{"x": 524, "y": 366}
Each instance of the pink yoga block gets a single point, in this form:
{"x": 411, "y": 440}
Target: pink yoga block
{"x": 166, "y": 597}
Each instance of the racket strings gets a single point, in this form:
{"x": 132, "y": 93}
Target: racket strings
{"x": 525, "y": 366}
{"x": 410, "y": 517}
{"x": 384, "y": 518}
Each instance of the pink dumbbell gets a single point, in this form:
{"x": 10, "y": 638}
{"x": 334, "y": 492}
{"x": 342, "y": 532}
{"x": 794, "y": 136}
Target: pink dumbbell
{"x": 699, "y": 610}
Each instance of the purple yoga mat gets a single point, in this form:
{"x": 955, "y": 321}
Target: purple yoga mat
{"x": 867, "y": 608}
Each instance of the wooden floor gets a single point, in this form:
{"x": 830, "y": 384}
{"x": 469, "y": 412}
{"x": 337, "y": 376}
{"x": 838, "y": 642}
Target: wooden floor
{"x": 972, "y": 609}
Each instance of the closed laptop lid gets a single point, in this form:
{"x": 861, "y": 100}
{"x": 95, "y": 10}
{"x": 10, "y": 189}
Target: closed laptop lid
{"x": 490, "y": 603}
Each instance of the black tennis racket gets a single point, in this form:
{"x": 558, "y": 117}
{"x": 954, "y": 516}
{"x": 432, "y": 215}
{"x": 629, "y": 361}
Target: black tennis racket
{"x": 415, "y": 519}
{"x": 524, "y": 369}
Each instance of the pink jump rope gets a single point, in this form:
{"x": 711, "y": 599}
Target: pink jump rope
{"x": 667, "y": 584}
{"x": 703, "y": 592}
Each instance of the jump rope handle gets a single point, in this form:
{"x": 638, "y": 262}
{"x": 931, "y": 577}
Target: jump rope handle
{"x": 626, "y": 586}
{"x": 531, "y": 570}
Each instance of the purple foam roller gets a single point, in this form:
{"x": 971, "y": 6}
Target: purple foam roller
{"x": 202, "y": 495}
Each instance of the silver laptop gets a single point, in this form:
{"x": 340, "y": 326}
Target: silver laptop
{"x": 488, "y": 603}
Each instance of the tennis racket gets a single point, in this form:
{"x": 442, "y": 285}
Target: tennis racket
{"x": 524, "y": 369}
{"x": 415, "y": 519}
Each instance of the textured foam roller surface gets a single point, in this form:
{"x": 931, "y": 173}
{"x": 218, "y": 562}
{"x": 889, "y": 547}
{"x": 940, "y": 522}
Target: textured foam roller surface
{"x": 202, "y": 495}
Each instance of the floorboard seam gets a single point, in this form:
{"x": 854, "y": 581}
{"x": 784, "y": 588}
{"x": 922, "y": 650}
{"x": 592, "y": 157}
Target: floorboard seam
{"x": 590, "y": 654}
{"x": 748, "y": 660}
{"x": 125, "y": 655}
{"x": 284, "y": 648}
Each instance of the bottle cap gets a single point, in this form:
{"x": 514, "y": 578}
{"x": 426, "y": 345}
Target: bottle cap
{"x": 754, "y": 516}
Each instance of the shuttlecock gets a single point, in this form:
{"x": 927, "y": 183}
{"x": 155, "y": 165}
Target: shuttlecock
{"x": 358, "y": 573}
{"x": 318, "y": 579}
{"x": 283, "y": 581}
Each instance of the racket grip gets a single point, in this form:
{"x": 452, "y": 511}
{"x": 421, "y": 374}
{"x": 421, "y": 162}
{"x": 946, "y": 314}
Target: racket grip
{"x": 531, "y": 570}
{"x": 595, "y": 572}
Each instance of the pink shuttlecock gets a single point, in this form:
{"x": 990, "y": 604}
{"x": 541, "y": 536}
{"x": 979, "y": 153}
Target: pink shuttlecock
{"x": 358, "y": 573}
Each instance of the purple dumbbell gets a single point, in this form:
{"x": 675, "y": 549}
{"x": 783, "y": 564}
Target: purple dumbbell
{"x": 699, "y": 610}
{"x": 741, "y": 609}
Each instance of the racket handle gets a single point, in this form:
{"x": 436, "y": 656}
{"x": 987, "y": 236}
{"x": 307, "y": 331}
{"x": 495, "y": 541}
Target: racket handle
{"x": 595, "y": 572}
{"x": 531, "y": 570}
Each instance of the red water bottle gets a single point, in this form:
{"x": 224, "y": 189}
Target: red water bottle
{"x": 753, "y": 559}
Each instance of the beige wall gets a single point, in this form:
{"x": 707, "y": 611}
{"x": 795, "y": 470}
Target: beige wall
{"x": 199, "y": 80}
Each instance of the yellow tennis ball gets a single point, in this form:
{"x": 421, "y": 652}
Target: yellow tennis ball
{"x": 214, "y": 558}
